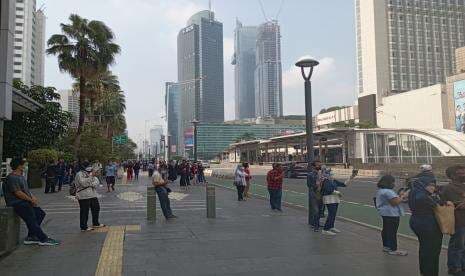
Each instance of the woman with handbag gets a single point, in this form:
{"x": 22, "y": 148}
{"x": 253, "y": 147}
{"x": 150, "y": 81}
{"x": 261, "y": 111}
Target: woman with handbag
{"x": 239, "y": 182}
{"x": 331, "y": 198}
{"x": 388, "y": 204}
{"x": 423, "y": 199}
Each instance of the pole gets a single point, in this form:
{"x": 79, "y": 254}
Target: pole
{"x": 211, "y": 201}
{"x": 309, "y": 141}
{"x": 195, "y": 142}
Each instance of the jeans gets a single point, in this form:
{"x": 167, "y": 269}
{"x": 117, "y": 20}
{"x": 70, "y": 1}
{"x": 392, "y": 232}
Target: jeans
{"x": 456, "y": 252}
{"x": 201, "y": 178}
{"x": 275, "y": 198}
{"x": 84, "y": 206}
{"x": 314, "y": 209}
{"x": 32, "y": 217}
{"x": 430, "y": 239}
{"x": 240, "y": 192}
{"x": 60, "y": 179}
{"x": 389, "y": 232}
{"x": 332, "y": 212}
{"x": 164, "y": 201}
{"x": 50, "y": 183}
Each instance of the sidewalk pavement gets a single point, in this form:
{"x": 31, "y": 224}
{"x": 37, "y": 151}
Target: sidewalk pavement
{"x": 246, "y": 238}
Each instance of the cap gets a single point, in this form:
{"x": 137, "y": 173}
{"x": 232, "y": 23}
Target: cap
{"x": 426, "y": 168}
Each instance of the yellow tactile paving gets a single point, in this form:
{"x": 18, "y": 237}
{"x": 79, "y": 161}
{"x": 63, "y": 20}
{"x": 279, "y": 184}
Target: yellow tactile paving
{"x": 111, "y": 256}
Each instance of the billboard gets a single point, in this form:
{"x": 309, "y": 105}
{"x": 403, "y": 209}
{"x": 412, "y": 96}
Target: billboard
{"x": 189, "y": 138}
{"x": 459, "y": 104}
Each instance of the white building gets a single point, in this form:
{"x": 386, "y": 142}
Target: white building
{"x": 406, "y": 45}
{"x": 268, "y": 71}
{"x": 156, "y": 133}
{"x": 69, "y": 101}
{"x": 29, "y": 43}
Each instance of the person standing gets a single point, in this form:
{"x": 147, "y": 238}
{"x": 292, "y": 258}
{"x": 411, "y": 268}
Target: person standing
{"x": 455, "y": 193}
{"x": 274, "y": 180}
{"x": 110, "y": 175}
{"x": 25, "y": 205}
{"x": 314, "y": 179}
{"x": 129, "y": 171}
{"x": 184, "y": 172}
{"x": 50, "y": 177}
{"x": 160, "y": 185}
{"x": 239, "y": 182}
{"x": 423, "y": 198}
{"x": 86, "y": 194}
{"x": 172, "y": 171}
{"x": 60, "y": 173}
{"x": 194, "y": 172}
{"x": 331, "y": 198}
{"x": 388, "y": 204}
{"x": 151, "y": 169}
{"x": 200, "y": 173}
{"x": 136, "y": 170}
{"x": 248, "y": 177}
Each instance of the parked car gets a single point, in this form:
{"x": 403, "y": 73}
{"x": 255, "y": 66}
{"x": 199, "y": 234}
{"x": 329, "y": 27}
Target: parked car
{"x": 205, "y": 164}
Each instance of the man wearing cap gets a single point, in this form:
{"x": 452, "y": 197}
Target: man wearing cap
{"x": 86, "y": 194}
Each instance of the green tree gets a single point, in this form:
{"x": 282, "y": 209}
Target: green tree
{"x": 40, "y": 129}
{"x": 85, "y": 49}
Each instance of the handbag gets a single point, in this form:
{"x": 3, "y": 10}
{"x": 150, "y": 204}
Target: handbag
{"x": 445, "y": 217}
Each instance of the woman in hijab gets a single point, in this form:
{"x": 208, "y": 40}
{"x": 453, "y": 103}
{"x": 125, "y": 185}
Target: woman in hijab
{"x": 423, "y": 198}
{"x": 239, "y": 182}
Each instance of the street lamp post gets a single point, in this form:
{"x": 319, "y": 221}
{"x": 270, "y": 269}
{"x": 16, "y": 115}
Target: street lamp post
{"x": 195, "y": 122}
{"x": 309, "y": 63}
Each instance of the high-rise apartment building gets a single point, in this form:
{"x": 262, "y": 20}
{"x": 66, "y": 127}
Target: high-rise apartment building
{"x": 268, "y": 71}
{"x": 29, "y": 43}
{"x": 460, "y": 59}
{"x": 173, "y": 115}
{"x": 404, "y": 45}
{"x": 200, "y": 70}
{"x": 245, "y": 43}
{"x": 69, "y": 101}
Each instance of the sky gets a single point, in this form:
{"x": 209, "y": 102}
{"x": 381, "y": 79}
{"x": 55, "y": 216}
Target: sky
{"x": 147, "y": 31}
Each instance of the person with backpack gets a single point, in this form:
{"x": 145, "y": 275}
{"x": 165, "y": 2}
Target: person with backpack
{"x": 26, "y": 206}
{"x": 388, "y": 204}
{"x": 86, "y": 184}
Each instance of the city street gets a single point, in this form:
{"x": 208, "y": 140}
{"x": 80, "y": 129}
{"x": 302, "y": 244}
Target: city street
{"x": 234, "y": 243}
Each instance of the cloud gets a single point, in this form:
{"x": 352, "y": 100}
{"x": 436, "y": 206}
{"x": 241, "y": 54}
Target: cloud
{"x": 292, "y": 78}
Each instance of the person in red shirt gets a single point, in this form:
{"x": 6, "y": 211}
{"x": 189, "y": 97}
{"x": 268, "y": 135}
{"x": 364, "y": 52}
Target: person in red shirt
{"x": 248, "y": 177}
{"x": 274, "y": 180}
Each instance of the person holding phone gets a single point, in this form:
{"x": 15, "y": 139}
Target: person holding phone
{"x": 86, "y": 194}
{"x": 388, "y": 204}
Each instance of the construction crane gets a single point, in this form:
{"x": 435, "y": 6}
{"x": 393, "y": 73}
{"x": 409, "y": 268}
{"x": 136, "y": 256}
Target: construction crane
{"x": 262, "y": 8}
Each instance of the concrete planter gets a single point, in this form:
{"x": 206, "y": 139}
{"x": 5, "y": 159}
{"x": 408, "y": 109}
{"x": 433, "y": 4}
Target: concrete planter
{"x": 9, "y": 229}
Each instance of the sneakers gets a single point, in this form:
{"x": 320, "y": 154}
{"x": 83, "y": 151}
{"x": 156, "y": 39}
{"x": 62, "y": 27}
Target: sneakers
{"x": 398, "y": 253}
{"x": 31, "y": 240}
{"x": 335, "y": 230}
{"x": 88, "y": 229}
{"x": 328, "y": 233}
{"x": 386, "y": 249}
{"x": 49, "y": 242}
{"x": 99, "y": 226}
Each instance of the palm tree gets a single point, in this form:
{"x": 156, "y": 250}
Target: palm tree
{"x": 85, "y": 49}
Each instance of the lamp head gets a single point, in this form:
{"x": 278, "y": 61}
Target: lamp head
{"x": 306, "y": 62}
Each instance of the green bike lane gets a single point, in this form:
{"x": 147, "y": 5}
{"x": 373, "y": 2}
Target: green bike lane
{"x": 353, "y": 208}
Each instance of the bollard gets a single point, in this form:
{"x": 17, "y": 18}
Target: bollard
{"x": 211, "y": 201}
{"x": 151, "y": 204}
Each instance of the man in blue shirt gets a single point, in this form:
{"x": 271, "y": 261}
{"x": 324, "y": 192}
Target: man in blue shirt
{"x": 110, "y": 173}
{"x": 18, "y": 196}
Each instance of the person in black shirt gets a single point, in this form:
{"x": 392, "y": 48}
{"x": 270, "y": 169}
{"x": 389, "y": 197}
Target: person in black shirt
{"x": 50, "y": 177}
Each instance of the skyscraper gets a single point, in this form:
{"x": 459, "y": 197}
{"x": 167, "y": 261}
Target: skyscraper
{"x": 245, "y": 43}
{"x": 29, "y": 43}
{"x": 405, "y": 45}
{"x": 200, "y": 70}
{"x": 268, "y": 71}
{"x": 173, "y": 115}
{"x": 69, "y": 101}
